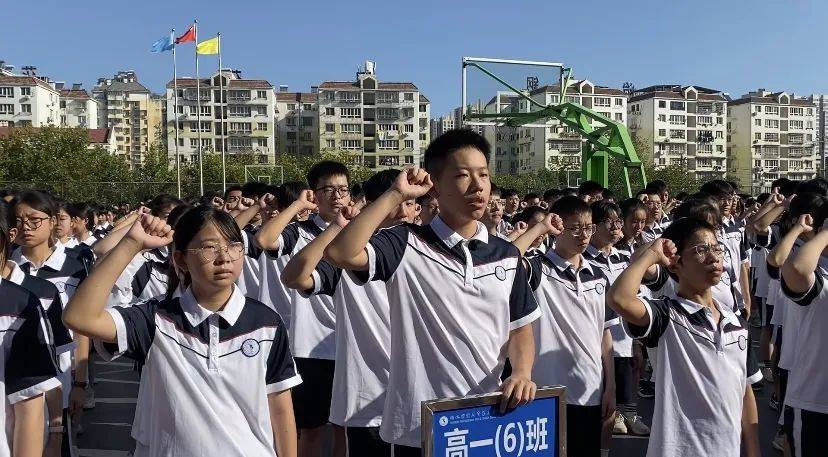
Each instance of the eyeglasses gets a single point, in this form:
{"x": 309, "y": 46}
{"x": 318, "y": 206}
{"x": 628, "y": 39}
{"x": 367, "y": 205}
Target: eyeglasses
{"x": 343, "y": 191}
{"x": 581, "y": 230}
{"x": 211, "y": 253}
{"x": 613, "y": 223}
{"x": 654, "y": 203}
{"x": 31, "y": 222}
{"x": 704, "y": 250}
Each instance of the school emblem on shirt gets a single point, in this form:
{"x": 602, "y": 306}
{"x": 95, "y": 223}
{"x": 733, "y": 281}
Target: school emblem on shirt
{"x": 500, "y": 273}
{"x": 250, "y": 347}
{"x": 599, "y": 288}
{"x": 742, "y": 342}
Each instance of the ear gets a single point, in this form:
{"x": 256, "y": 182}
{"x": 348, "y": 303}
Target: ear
{"x": 13, "y": 234}
{"x": 179, "y": 263}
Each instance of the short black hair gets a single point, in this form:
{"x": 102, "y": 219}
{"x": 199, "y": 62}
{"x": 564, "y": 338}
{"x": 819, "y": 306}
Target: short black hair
{"x": 608, "y": 195}
{"x": 289, "y": 193}
{"x": 763, "y": 198}
{"x": 589, "y": 188}
{"x": 231, "y": 189}
{"x": 551, "y": 193}
{"x": 157, "y": 204}
{"x": 657, "y": 186}
{"x": 528, "y": 213}
{"x": 506, "y": 193}
{"x": 357, "y": 190}
{"x": 38, "y": 200}
{"x": 379, "y": 183}
{"x": 601, "y": 211}
{"x": 450, "y": 142}
{"x": 424, "y": 199}
{"x": 702, "y": 209}
{"x": 681, "y": 230}
{"x": 82, "y": 211}
{"x": 717, "y": 188}
{"x": 570, "y": 206}
{"x": 786, "y": 186}
{"x": 630, "y": 206}
{"x": 530, "y": 196}
{"x": 811, "y": 203}
{"x": 495, "y": 190}
{"x": 254, "y": 189}
{"x": 681, "y": 195}
{"x": 326, "y": 169}
{"x": 816, "y": 185}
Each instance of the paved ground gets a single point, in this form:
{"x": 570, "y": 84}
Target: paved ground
{"x": 107, "y": 427}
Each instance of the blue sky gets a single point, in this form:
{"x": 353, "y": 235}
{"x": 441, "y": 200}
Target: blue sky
{"x": 732, "y": 45}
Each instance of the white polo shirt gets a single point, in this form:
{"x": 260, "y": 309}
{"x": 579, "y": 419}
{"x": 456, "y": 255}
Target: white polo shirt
{"x": 146, "y": 276}
{"x": 206, "y": 376}
{"x": 808, "y": 378}
{"x": 701, "y": 368}
{"x": 568, "y": 333}
{"x": 250, "y": 280}
{"x": 27, "y": 362}
{"x": 612, "y": 265}
{"x": 312, "y": 319}
{"x": 652, "y": 232}
{"x": 363, "y": 342}
{"x": 453, "y": 302}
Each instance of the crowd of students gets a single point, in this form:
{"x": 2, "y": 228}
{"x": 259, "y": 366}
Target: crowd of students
{"x": 259, "y": 317}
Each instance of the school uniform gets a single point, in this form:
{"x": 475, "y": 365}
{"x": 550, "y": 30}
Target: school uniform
{"x": 28, "y": 361}
{"x": 312, "y": 326}
{"x": 363, "y": 342}
{"x": 652, "y": 232}
{"x": 808, "y": 379}
{"x": 250, "y": 280}
{"x": 206, "y": 375}
{"x": 702, "y": 377}
{"x": 146, "y": 276}
{"x": 65, "y": 272}
{"x": 453, "y": 302}
{"x": 568, "y": 338}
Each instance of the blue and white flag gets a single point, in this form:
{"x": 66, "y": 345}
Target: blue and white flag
{"x": 163, "y": 44}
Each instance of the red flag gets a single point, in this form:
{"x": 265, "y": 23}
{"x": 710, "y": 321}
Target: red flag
{"x": 189, "y": 35}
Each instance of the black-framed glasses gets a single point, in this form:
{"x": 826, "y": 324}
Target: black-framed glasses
{"x": 33, "y": 223}
{"x": 343, "y": 191}
{"x": 210, "y": 253}
{"x": 585, "y": 230}
{"x": 704, "y": 250}
{"x": 614, "y": 223}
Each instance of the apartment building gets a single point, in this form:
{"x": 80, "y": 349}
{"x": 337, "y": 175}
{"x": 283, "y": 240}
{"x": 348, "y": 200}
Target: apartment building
{"x": 131, "y": 112}
{"x": 77, "y": 107}
{"x": 820, "y": 102}
{"x": 771, "y": 135}
{"x": 681, "y": 125}
{"x": 550, "y": 146}
{"x": 442, "y": 124}
{"x": 297, "y": 122}
{"x": 239, "y": 122}
{"x": 380, "y": 124}
{"x": 27, "y": 100}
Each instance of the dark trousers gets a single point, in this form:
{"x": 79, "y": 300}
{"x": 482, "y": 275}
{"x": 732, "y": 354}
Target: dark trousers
{"x": 583, "y": 431}
{"x": 405, "y": 451}
{"x": 626, "y": 387}
{"x": 366, "y": 441}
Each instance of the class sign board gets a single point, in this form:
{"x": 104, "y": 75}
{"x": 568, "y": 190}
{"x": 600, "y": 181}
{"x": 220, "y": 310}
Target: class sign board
{"x": 474, "y": 427}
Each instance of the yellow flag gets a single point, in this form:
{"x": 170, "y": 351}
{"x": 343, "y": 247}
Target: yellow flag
{"x": 210, "y": 46}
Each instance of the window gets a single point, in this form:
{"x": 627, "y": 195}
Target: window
{"x": 677, "y": 134}
{"x": 619, "y": 117}
{"x": 350, "y": 112}
{"x": 261, "y": 126}
{"x": 719, "y": 120}
{"x": 330, "y": 144}
{"x": 662, "y": 117}
{"x": 810, "y": 111}
{"x": 193, "y": 142}
{"x": 388, "y": 127}
{"x": 351, "y": 128}
{"x": 772, "y": 123}
{"x": 26, "y": 108}
{"x": 329, "y": 112}
{"x": 797, "y": 111}
{"x": 330, "y": 128}
{"x": 719, "y": 134}
{"x": 7, "y": 109}
{"x": 771, "y": 137}
{"x": 241, "y": 143}
{"x": 409, "y": 128}
{"x": 350, "y": 144}
{"x": 619, "y": 102}
{"x": 349, "y": 97}
{"x": 704, "y": 120}
{"x": 25, "y": 91}
{"x": 307, "y": 107}
{"x": 758, "y": 136}
{"x": 677, "y": 106}
{"x": 291, "y": 106}
{"x": 662, "y": 132}
{"x": 409, "y": 144}
{"x": 423, "y": 108}
{"x": 796, "y": 124}
{"x": 662, "y": 104}
{"x": 290, "y": 121}
{"x": 601, "y": 101}
{"x": 237, "y": 111}
{"x": 757, "y": 122}
{"x": 388, "y": 144}
{"x": 676, "y": 119}
{"x": 7, "y": 92}
{"x": 407, "y": 112}
{"x": 773, "y": 110}
{"x": 408, "y": 96}
{"x": 261, "y": 142}
{"x": 758, "y": 108}
{"x": 307, "y": 121}
{"x": 290, "y": 135}
{"x": 206, "y": 110}
{"x": 261, "y": 94}
{"x": 719, "y": 148}
{"x": 238, "y": 94}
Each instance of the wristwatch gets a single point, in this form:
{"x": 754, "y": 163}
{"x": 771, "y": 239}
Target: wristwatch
{"x": 56, "y": 429}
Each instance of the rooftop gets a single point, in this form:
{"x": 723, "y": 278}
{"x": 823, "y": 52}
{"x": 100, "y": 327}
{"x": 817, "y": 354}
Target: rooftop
{"x": 296, "y": 97}
{"x": 380, "y": 85}
{"x": 25, "y": 81}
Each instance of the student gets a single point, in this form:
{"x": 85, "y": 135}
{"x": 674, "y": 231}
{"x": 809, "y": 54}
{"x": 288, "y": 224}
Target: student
{"x": 590, "y": 191}
{"x": 530, "y": 199}
{"x": 493, "y": 216}
{"x": 634, "y": 214}
{"x": 803, "y": 281}
{"x": 63, "y": 226}
{"x": 82, "y": 223}
{"x": 511, "y": 204}
{"x": 603, "y": 254}
{"x": 38, "y": 256}
{"x": 572, "y": 335}
{"x": 660, "y": 187}
{"x": 655, "y": 215}
{"x": 217, "y": 367}
{"x": 530, "y": 217}
{"x": 450, "y": 270}
{"x": 551, "y": 196}
{"x": 362, "y": 329}
{"x": 26, "y": 353}
{"x": 430, "y": 208}
{"x": 232, "y": 195}
{"x": 312, "y": 320}
{"x": 702, "y": 345}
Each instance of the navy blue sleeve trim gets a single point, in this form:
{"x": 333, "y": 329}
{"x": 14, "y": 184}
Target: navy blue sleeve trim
{"x": 140, "y": 329}
{"x": 521, "y": 299}
{"x": 290, "y": 236}
{"x": 389, "y": 246}
{"x": 329, "y": 277}
{"x": 659, "y": 319}
{"x": 30, "y": 360}
{"x": 280, "y": 364}
{"x": 808, "y": 297}
{"x": 534, "y": 271}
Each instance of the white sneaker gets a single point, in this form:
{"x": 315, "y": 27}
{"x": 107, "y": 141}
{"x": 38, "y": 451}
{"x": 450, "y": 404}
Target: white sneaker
{"x": 636, "y": 426}
{"x": 619, "y": 427}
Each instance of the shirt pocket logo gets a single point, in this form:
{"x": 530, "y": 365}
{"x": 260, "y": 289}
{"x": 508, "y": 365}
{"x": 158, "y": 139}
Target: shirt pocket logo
{"x": 250, "y": 347}
{"x": 500, "y": 273}
{"x": 742, "y": 342}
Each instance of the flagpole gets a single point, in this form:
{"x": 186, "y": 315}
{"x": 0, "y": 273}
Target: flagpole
{"x": 198, "y": 115}
{"x": 221, "y": 121}
{"x": 175, "y": 107}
